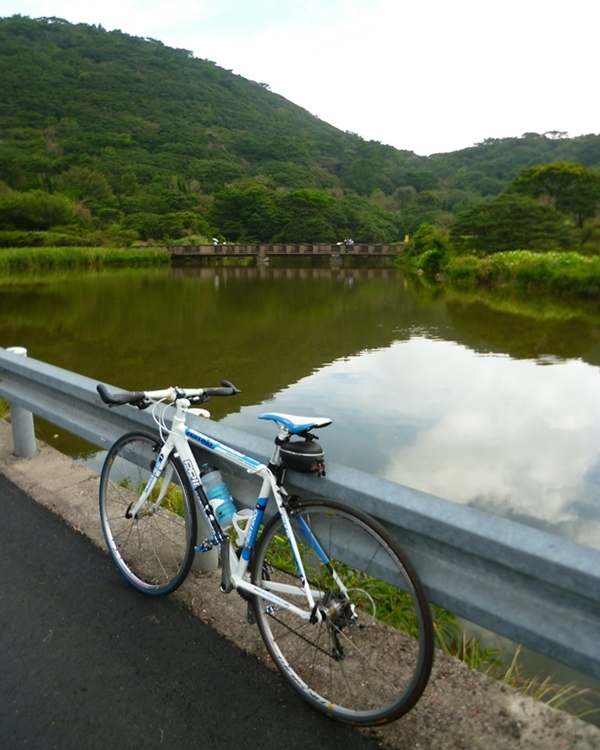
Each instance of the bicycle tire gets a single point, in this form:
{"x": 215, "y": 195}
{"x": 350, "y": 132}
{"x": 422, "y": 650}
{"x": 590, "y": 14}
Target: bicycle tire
{"x": 153, "y": 552}
{"x": 366, "y": 671}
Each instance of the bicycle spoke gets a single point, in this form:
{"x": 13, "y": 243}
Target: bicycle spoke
{"x": 154, "y": 550}
{"x": 368, "y": 658}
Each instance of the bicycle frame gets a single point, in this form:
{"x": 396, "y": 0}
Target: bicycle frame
{"x": 234, "y": 568}
{"x": 360, "y": 652}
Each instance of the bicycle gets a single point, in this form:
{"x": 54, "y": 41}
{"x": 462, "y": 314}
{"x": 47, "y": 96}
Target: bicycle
{"x": 339, "y": 606}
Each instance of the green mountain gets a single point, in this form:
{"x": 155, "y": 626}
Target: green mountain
{"x": 133, "y": 130}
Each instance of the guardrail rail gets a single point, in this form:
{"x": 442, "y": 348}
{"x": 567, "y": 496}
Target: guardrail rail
{"x": 535, "y": 588}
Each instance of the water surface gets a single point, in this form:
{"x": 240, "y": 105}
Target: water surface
{"x": 489, "y": 402}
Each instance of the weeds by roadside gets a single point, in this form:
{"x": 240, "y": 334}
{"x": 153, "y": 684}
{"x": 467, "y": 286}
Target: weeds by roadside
{"x": 453, "y": 641}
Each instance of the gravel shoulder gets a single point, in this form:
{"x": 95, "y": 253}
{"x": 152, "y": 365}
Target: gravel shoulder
{"x": 459, "y": 709}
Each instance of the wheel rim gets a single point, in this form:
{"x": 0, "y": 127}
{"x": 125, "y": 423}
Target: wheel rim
{"x": 369, "y": 660}
{"x": 153, "y": 550}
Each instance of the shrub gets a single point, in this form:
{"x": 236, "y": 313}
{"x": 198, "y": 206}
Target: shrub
{"x": 557, "y": 272}
{"x": 433, "y": 261}
{"x": 35, "y": 209}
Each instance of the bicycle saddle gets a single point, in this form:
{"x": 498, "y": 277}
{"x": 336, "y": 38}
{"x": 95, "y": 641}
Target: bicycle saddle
{"x": 295, "y": 424}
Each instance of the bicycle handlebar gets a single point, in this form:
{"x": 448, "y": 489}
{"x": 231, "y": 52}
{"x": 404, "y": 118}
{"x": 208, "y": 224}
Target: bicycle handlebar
{"x": 226, "y": 389}
{"x": 120, "y": 398}
{"x": 143, "y": 399}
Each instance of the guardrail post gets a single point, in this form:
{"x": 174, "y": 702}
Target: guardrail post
{"x": 23, "y": 432}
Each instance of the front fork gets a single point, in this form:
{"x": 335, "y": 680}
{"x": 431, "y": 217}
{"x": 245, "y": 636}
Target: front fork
{"x": 143, "y": 506}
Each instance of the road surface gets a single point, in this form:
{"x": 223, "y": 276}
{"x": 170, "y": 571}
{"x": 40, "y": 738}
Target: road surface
{"x": 87, "y": 662}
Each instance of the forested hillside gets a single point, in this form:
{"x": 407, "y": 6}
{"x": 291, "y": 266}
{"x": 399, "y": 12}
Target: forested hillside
{"x": 118, "y": 138}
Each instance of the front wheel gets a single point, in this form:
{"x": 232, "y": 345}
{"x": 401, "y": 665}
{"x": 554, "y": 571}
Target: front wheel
{"x": 367, "y": 657}
{"x": 153, "y": 550}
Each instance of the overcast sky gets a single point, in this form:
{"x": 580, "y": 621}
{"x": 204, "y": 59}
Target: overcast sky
{"x": 427, "y": 76}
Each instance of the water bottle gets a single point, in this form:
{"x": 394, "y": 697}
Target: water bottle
{"x": 218, "y": 495}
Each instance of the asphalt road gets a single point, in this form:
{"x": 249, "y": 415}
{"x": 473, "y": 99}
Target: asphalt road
{"x": 87, "y": 662}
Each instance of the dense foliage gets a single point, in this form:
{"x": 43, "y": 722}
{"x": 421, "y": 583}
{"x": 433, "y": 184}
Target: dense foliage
{"x": 510, "y": 221}
{"x": 107, "y": 138}
{"x": 556, "y": 206}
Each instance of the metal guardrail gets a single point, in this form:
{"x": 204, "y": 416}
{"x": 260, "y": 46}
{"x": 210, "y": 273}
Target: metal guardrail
{"x": 535, "y": 588}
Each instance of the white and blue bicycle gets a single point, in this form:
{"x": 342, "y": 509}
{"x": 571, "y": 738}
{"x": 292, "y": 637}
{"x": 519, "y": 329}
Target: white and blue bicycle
{"x": 339, "y": 607}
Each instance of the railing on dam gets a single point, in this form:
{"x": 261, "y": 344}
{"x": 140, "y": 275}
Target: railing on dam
{"x": 291, "y": 250}
{"x": 536, "y": 588}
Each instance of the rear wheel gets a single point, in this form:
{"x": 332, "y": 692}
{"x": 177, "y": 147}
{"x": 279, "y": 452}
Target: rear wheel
{"x": 154, "y": 551}
{"x": 367, "y": 659}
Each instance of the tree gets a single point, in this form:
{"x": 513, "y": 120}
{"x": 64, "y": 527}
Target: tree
{"x": 128, "y": 124}
{"x": 245, "y": 213}
{"x": 35, "y": 209}
{"x": 86, "y": 185}
{"x": 151, "y": 226}
{"x": 306, "y": 216}
{"x": 570, "y": 188}
{"x": 427, "y": 237}
{"x": 429, "y": 246}
{"x": 366, "y": 221}
{"x": 420, "y": 179}
{"x": 510, "y": 222}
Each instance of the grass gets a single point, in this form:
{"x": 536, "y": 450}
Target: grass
{"x": 454, "y": 642}
{"x": 567, "y": 697}
{"x": 390, "y": 605}
{"x": 562, "y": 273}
{"x": 568, "y": 274}
{"x": 171, "y": 501}
{"x": 79, "y": 257}
{"x": 4, "y": 409}
{"x": 173, "y": 498}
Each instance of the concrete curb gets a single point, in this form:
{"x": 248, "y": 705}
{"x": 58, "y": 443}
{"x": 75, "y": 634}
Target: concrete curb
{"x": 460, "y": 708}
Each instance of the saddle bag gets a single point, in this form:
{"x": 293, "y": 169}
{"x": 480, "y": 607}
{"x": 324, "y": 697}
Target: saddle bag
{"x": 305, "y": 456}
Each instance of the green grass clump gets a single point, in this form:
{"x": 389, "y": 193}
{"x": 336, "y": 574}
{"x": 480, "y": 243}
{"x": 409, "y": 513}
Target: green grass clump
{"x": 554, "y": 272}
{"x": 79, "y": 257}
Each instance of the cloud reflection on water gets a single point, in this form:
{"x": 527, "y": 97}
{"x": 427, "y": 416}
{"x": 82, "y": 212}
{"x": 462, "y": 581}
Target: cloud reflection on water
{"x": 512, "y": 437}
